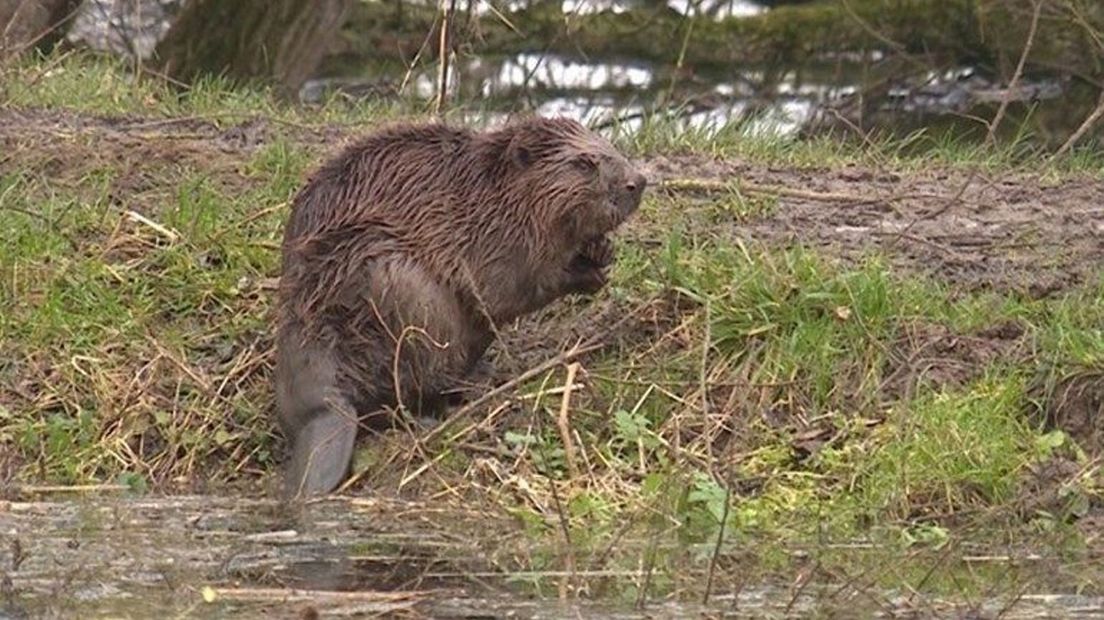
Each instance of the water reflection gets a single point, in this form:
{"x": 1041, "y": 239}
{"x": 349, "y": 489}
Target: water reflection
{"x": 960, "y": 88}
{"x": 552, "y": 72}
{"x": 717, "y": 9}
{"x": 612, "y": 93}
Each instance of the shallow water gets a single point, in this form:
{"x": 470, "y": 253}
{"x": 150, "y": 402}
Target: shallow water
{"x": 223, "y": 557}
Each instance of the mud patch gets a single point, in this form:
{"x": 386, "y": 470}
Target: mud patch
{"x": 1013, "y": 232}
{"x": 936, "y": 356}
{"x": 1051, "y": 488}
{"x": 1075, "y": 405}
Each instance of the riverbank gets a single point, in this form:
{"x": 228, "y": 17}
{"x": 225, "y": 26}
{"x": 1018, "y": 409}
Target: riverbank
{"x": 813, "y": 356}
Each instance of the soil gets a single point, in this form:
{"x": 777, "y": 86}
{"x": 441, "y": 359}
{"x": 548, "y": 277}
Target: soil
{"x": 1014, "y": 232}
{"x": 936, "y": 355}
{"x": 1075, "y": 404}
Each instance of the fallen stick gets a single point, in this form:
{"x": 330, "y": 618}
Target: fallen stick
{"x": 28, "y": 489}
{"x": 713, "y": 185}
{"x": 286, "y": 594}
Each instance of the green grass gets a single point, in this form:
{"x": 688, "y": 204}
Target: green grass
{"x": 103, "y": 85}
{"x": 810, "y": 345}
{"x": 137, "y": 349}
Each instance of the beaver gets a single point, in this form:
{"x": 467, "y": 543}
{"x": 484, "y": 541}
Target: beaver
{"x": 402, "y": 254}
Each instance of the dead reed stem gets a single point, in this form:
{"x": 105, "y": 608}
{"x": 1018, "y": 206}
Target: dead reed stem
{"x": 563, "y": 423}
{"x": 444, "y": 50}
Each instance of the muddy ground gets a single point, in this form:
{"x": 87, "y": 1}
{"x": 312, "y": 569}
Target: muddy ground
{"x": 1010, "y": 232}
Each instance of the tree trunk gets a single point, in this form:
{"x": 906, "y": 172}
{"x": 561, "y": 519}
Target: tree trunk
{"x": 33, "y": 23}
{"x": 278, "y": 41}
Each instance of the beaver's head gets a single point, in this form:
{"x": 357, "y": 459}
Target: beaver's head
{"x": 575, "y": 182}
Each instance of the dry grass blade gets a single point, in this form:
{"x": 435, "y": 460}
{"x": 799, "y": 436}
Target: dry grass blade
{"x": 171, "y": 235}
{"x": 41, "y": 489}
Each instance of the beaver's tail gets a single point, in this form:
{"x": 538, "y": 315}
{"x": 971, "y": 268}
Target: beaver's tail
{"x": 321, "y": 452}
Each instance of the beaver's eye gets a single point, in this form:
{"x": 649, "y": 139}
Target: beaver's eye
{"x": 585, "y": 163}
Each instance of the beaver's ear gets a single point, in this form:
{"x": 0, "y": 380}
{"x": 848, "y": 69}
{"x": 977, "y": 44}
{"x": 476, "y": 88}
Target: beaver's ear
{"x": 519, "y": 152}
{"x": 585, "y": 162}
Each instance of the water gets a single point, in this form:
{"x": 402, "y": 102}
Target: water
{"x": 126, "y": 27}
{"x": 231, "y": 557}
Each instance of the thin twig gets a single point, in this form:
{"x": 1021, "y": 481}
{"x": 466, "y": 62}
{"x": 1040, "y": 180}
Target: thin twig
{"x": 872, "y": 31}
{"x": 64, "y": 488}
{"x": 1085, "y": 127}
{"x": 569, "y": 549}
{"x": 717, "y": 547}
{"x": 566, "y": 356}
{"x": 704, "y": 388}
{"x": 499, "y": 15}
{"x": 578, "y": 349}
{"x": 288, "y": 594}
{"x": 1014, "y": 82}
{"x": 417, "y": 58}
{"x": 593, "y": 344}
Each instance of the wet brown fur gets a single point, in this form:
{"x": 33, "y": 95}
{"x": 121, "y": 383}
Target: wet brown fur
{"x": 402, "y": 253}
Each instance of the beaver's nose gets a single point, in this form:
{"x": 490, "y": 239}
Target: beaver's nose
{"x": 637, "y": 184}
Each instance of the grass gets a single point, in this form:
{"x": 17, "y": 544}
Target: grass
{"x": 768, "y": 398}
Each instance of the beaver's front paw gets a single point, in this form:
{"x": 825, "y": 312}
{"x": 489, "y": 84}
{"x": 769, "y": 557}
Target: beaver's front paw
{"x": 587, "y": 272}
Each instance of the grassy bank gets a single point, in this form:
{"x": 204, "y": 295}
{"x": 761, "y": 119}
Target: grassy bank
{"x": 786, "y": 400}
{"x": 107, "y": 87}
